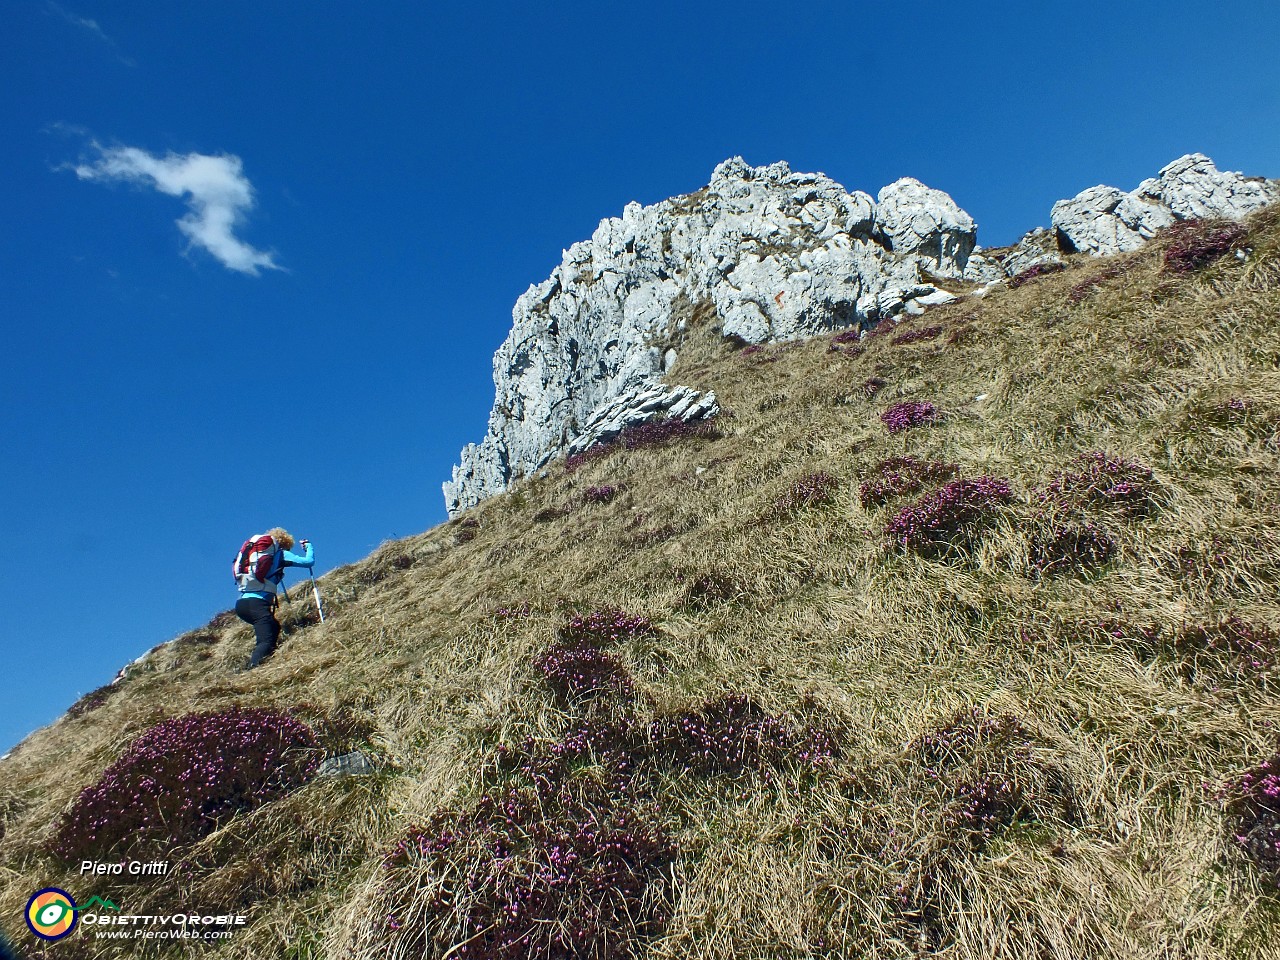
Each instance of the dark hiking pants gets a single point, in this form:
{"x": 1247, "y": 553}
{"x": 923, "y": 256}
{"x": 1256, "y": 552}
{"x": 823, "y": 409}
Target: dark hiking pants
{"x": 266, "y": 628}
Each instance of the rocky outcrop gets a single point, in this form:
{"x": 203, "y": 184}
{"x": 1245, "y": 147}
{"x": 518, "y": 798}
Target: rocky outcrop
{"x": 770, "y": 253}
{"x": 1036, "y": 249}
{"x": 767, "y": 254}
{"x": 926, "y": 225}
{"x": 1105, "y": 220}
{"x": 650, "y": 402}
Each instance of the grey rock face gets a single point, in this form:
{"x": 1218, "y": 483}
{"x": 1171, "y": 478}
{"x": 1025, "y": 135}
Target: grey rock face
{"x": 1038, "y": 247}
{"x": 926, "y": 224}
{"x": 652, "y": 402}
{"x": 1105, "y": 220}
{"x": 778, "y": 255}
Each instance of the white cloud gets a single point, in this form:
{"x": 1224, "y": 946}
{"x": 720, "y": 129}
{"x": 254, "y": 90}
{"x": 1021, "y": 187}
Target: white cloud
{"x": 216, "y": 190}
{"x": 84, "y": 23}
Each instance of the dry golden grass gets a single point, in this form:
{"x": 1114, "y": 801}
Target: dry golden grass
{"x": 810, "y": 615}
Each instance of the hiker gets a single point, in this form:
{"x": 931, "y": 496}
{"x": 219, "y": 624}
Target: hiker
{"x": 259, "y": 568}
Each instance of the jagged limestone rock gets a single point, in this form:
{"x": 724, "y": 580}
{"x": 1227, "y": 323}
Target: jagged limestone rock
{"x": 775, "y": 255}
{"x": 778, "y": 255}
{"x": 926, "y": 224}
{"x": 1035, "y": 249}
{"x": 1105, "y": 220}
{"x": 653, "y": 402}
{"x": 982, "y": 268}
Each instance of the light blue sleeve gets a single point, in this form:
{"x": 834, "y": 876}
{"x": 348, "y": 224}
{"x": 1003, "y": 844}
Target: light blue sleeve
{"x": 308, "y": 559}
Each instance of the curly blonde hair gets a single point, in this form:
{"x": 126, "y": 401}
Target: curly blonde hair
{"x": 282, "y": 537}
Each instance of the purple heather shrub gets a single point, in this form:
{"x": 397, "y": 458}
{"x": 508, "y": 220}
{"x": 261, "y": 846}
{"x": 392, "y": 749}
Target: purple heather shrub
{"x": 523, "y": 876}
{"x": 1106, "y": 482}
{"x": 1196, "y": 243}
{"x": 1143, "y": 639}
{"x": 569, "y": 858}
{"x": 987, "y": 765}
{"x": 902, "y": 477}
{"x": 605, "y": 626}
{"x": 516, "y": 611}
{"x": 92, "y": 700}
{"x": 811, "y": 490}
{"x": 917, "y": 335}
{"x": 1089, "y": 284}
{"x": 1234, "y": 410}
{"x": 733, "y": 735}
{"x": 660, "y": 433}
{"x": 597, "y": 451}
{"x": 577, "y": 673}
{"x": 987, "y": 804}
{"x": 1068, "y": 548}
{"x": 185, "y": 776}
{"x": 1253, "y": 804}
{"x": 751, "y": 349}
{"x": 1245, "y": 650}
{"x": 600, "y": 494}
{"x": 611, "y": 744}
{"x": 871, "y": 386}
{"x": 949, "y": 518}
{"x": 967, "y": 732}
{"x": 908, "y": 414}
{"x": 1206, "y": 563}
{"x": 847, "y": 343}
{"x": 1031, "y": 273}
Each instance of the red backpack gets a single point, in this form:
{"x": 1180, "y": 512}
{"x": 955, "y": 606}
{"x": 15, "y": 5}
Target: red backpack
{"x": 257, "y": 565}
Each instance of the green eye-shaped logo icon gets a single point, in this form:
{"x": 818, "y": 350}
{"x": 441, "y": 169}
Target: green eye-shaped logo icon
{"x": 51, "y": 913}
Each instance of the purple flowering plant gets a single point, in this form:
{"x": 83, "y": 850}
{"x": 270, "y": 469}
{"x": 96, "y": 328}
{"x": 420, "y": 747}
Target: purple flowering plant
{"x": 733, "y": 735}
{"x": 1252, "y": 801}
{"x": 184, "y": 777}
{"x": 1232, "y": 648}
{"x": 1070, "y": 548}
{"x": 902, "y": 477}
{"x": 601, "y": 494}
{"x": 916, "y": 335}
{"x": 907, "y": 414}
{"x": 811, "y": 490}
{"x": 871, "y": 386}
{"x": 567, "y": 855}
{"x": 605, "y": 625}
{"x": 1194, "y": 244}
{"x": 525, "y": 876}
{"x": 949, "y": 518}
{"x": 1102, "y": 481}
{"x": 1039, "y": 270}
{"x": 578, "y": 672}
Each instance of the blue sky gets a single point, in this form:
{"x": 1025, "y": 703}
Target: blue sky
{"x": 255, "y": 258}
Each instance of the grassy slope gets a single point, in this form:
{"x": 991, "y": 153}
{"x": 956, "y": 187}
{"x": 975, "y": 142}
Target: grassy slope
{"x": 414, "y": 667}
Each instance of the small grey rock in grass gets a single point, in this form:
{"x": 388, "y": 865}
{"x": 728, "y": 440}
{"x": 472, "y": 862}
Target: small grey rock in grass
{"x": 347, "y": 765}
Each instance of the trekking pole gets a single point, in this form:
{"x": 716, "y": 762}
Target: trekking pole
{"x": 315, "y": 590}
